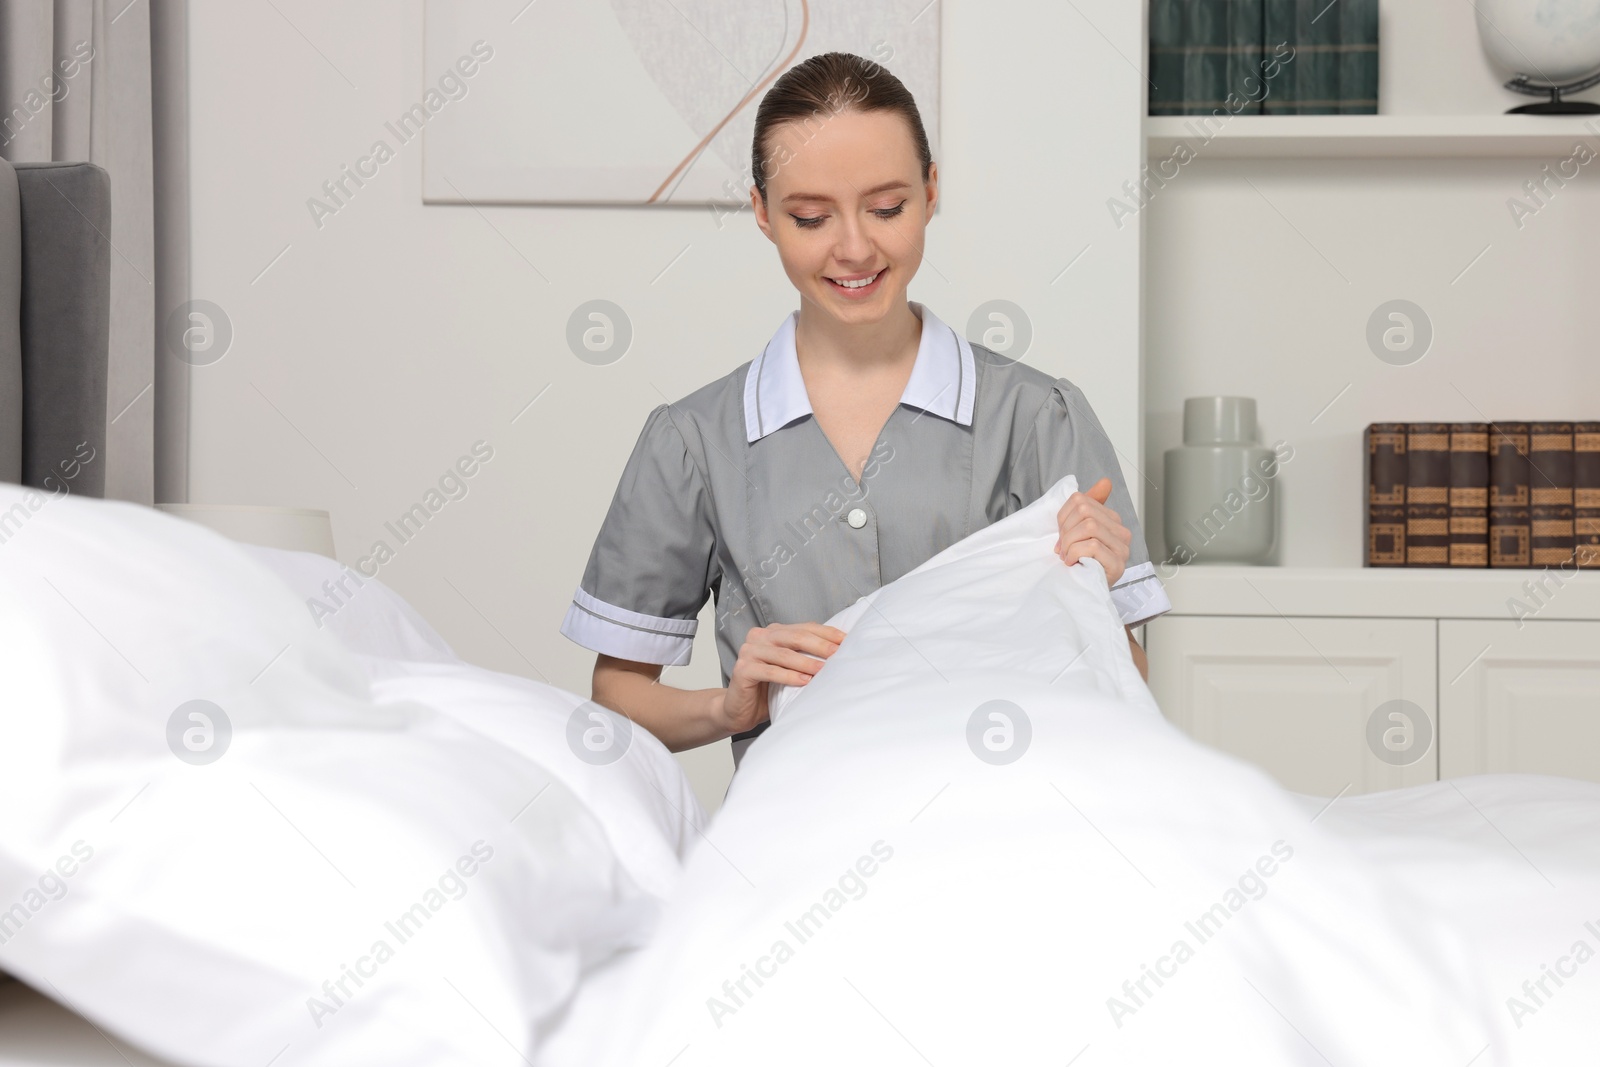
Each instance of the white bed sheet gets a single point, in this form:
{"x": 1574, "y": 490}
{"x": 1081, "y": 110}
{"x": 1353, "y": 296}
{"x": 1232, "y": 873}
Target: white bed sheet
{"x": 35, "y": 1031}
{"x": 1512, "y": 862}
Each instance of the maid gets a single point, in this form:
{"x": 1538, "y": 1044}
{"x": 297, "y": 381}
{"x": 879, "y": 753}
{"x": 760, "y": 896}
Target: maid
{"x": 866, "y": 437}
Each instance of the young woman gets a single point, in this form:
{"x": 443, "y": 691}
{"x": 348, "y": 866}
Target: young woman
{"x": 865, "y": 438}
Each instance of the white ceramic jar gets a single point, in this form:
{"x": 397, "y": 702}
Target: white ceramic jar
{"x": 1220, "y": 490}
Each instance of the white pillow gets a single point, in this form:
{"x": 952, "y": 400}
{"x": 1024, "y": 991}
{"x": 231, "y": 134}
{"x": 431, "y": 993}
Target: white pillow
{"x": 347, "y": 881}
{"x": 635, "y": 788}
{"x": 641, "y": 796}
{"x": 368, "y": 616}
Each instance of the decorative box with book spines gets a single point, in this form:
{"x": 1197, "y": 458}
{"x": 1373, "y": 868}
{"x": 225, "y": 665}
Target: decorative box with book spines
{"x": 1483, "y": 494}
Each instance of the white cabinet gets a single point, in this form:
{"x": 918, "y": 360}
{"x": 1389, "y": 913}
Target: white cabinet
{"x": 1296, "y": 695}
{"x": 1285, "y": 667}
{"x": 1520, "y": 699}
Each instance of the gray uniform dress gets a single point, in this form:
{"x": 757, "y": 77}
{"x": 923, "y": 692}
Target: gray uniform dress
{"x": 734, "y": 491}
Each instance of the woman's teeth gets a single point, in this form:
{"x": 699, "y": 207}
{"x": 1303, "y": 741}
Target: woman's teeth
{"x": 863, "y": 283}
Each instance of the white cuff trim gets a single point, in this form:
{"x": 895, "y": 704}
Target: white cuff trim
{"x": 602, "y": 627}
{"x": 1139, "y": 595}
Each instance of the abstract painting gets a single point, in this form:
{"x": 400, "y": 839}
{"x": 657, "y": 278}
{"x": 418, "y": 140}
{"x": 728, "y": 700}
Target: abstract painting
{"x": 632, "y": 101}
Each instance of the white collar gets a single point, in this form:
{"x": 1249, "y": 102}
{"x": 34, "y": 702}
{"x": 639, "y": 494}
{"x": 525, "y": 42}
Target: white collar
{"x": 942, "y": 379}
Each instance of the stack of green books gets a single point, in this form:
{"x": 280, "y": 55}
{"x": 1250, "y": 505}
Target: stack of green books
{"x": 1264, "y": 57}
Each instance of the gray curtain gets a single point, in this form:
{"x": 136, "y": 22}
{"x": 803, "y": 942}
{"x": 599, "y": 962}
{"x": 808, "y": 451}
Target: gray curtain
{"x": 106, "y": 81}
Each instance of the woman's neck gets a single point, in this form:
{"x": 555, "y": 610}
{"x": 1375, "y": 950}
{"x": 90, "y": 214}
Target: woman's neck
{"x": 827, "y": 346}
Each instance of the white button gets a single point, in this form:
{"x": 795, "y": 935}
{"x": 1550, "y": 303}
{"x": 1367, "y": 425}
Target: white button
{"x": 857, "y": 518}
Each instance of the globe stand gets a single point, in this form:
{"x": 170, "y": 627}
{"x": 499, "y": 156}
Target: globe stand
{"x": 1555, "y": 105}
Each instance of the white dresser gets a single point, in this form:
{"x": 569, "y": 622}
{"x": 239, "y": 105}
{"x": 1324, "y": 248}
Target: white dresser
{"x": 1289, "y": 667}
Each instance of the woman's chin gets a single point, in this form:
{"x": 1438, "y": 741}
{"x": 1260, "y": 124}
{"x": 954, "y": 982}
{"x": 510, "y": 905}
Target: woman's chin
{"x": 861, "y": 311}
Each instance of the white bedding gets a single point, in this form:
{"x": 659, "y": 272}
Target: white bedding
{"x": 37, "y": 1032}
{"x": 1049, "y": 909}
{"x": 1512, "y": 861}
{"x": 231, "y": 910}
{"x": 883, "y": 885}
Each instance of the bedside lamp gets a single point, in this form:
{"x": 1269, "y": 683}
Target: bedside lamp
{"x": 296, "y": 529}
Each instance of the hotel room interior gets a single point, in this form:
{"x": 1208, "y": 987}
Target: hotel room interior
{"x": 330, "y": 328}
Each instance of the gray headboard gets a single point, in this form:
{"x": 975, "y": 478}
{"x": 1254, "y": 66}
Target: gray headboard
{"x": 55, "y": 322}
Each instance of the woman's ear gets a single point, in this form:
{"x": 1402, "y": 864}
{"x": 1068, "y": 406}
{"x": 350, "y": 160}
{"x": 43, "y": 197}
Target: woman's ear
{"x": 932, "y": 185}
{"x": 759, "y": 206}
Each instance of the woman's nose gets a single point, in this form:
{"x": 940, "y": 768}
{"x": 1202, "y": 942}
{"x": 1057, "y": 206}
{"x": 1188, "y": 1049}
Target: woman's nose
{"x": 854, "y": 245}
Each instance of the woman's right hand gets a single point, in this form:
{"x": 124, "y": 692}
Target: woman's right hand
{"x": 786, "y": 653}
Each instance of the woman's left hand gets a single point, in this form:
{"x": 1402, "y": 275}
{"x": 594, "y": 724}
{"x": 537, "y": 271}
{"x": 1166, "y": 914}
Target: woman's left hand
{"x": 1089, "y": 528}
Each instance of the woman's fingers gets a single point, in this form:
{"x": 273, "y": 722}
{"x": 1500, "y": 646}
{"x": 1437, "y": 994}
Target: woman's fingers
{"x": 762, "y": 669}
{"x": 792, "y": 660}
{"x": 831, "y": 634}
{"x": 1081, "y": 507}
{"x": 810, "y": 637}
{"x": 1113, "y": 558}
{"x": 1111, "y": 533}
{"x": 790, "y": 653}
{"x": 1107, "y": 554}
{"x": 768, "y": 672}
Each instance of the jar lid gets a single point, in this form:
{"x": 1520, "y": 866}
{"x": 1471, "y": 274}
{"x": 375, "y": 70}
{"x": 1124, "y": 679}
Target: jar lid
{"x": 1219, "y": 420}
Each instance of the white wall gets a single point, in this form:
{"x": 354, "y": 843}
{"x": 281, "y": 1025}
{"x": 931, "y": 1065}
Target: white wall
{"x": 379, "y": 347}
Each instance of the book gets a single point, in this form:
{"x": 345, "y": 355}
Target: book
{"x": 1242, "y": 77}
{"x": 1317, "y": 83}
{"x": 1469, "y": 494}
{"x": 1309, "y": 84}
{"x": 1586, "y": 493}
{"x": 1335, "y": 66}
{"x": 1279, "y": 36}
{"x": 1386, "y": 494}
{"x": 1358, "y": 57}
{"x": 1205, "y": 29}
{"x": 1509, "y": 534}
{"x": 1166, "y": 57}
{"x": 1201, "y": 51}
{"x": 1550, "y": 493}
{"x": 1428, "y": 494}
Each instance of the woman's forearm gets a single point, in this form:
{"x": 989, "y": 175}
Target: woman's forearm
{"x": 679, "y": 718}
{"x": 1139, "y": 659}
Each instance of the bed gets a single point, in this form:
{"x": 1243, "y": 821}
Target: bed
{"x": 972, "y": 838}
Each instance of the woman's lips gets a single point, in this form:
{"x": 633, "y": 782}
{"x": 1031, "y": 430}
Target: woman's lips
{"x": 860, "y": 292}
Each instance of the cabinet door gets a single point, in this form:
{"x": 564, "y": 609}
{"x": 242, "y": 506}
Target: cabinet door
{"x": 1519, "y": 699}
{"x": 1299, "y": 696}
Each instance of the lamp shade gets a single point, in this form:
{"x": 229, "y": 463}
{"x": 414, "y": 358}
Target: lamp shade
{"x": 297, "y": 529}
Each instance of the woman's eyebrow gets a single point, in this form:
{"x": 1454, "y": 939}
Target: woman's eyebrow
{"x": 876, "y": 189}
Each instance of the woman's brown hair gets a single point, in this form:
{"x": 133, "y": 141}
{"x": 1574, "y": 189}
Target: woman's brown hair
{"x": 823, "y": 86}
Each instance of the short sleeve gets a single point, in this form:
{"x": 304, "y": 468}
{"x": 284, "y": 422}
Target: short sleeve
{"x": 650, "y": 570}
{"x": 1067, "y": 438}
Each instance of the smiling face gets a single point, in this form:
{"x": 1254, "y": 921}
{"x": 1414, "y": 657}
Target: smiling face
{"x": 845, "y": 204}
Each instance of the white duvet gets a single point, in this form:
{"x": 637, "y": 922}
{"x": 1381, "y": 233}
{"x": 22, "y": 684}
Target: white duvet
{"x": 972, "y": 838}
{"x": 229, "y": 839}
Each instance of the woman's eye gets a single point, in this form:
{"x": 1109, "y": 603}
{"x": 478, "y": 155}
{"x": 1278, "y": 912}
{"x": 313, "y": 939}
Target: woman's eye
{"x": 806, "y": 223}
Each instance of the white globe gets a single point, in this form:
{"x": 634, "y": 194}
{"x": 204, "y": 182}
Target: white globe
{"x": 1555, "y": 41}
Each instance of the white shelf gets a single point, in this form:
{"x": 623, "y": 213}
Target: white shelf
{"x": 1379, "y": 592}
{"x": 1370, "y": 136}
